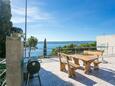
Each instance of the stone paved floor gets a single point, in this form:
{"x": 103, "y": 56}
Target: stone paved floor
{"x": 51, "y": 75}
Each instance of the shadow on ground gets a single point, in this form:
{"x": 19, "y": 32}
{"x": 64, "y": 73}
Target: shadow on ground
{"x": 48, "y": 79}
{"x": 105, "y": 74}
{"x": 84, "y": 80}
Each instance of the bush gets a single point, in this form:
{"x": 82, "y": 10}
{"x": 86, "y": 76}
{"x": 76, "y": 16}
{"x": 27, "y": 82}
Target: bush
{"x": 72, "y": 48}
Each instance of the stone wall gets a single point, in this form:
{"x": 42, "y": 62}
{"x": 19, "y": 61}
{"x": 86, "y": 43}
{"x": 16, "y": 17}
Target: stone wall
{"x": 14, "y": 54}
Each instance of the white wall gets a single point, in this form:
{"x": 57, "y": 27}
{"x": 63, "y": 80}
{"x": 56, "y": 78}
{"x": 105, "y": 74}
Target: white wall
{"x": 108, "y": 43}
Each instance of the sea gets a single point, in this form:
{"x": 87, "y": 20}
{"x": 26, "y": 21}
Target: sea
{"x": 51, "y": 45}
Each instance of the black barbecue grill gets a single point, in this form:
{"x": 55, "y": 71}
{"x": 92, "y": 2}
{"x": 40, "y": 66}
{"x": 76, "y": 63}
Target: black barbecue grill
{"x": 33, "y": 67}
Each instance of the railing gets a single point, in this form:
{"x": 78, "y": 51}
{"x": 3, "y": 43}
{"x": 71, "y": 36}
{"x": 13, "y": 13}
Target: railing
{"x": 76, "y": 50}
{"x": 39, "y": 52}
{"x": 3, "y": 61}
{"x": 108, "y": 50}
{"x": 3, "y": 72}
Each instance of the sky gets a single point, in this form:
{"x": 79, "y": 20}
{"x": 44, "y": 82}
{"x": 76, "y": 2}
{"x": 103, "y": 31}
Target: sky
{"x": 65, "y": 20}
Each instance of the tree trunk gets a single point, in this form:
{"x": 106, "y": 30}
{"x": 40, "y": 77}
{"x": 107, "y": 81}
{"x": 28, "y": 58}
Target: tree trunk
{"x": 29, "y": 52}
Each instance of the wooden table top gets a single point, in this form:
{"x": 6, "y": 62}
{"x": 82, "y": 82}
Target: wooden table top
{"x": 84, "y": 57}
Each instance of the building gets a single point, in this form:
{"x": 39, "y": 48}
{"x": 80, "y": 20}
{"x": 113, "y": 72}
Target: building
{"x": 106, "y": 43}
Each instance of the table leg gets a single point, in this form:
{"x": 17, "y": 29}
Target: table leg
{"x": 87, "y": 67}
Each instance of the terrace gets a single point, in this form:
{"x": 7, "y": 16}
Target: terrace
{"x": 51, "y": 75}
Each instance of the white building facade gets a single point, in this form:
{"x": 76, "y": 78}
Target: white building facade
{"x": 106, "y": 43}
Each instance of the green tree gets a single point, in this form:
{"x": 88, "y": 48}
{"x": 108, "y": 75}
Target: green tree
{"x": 45, "y": 48}
{"x": 32, "y": 43}
{"x": 5, "y": 24}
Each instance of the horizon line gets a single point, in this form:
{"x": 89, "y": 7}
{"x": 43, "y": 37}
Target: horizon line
{"x": 69, "y": 41}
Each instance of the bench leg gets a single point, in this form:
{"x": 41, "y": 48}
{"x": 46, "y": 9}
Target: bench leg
{"x": 96, "y": 66}
{"x": 71, "y": 72}
{"x": 69, "y": 75}
{"x": 76, "y": 61}
{"x": 62, "y": 67}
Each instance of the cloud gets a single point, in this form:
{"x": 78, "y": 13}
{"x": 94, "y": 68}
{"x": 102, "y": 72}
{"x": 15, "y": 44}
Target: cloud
{"x": 34, "y": 14}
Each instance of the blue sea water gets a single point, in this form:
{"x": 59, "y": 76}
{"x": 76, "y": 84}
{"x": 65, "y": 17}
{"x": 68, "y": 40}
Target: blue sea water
{"x": 52, "y": 45}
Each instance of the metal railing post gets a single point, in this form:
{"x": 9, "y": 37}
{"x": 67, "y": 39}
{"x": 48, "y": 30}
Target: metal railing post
{"x": 75, "y": 50}
{"x": 112, "y": 50}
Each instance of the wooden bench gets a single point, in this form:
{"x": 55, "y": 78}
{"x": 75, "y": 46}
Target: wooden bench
{"x": 71, "y": 66}
{"x": 96, "y": 53}
{"x": 63, "y": 61}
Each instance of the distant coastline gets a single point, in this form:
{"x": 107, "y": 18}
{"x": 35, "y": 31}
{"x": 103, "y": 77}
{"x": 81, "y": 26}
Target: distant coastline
{"x": 67, "y": 42}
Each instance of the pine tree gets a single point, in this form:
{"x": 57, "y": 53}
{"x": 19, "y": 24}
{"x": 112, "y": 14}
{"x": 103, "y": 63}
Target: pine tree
{"x": 45, "y": 49}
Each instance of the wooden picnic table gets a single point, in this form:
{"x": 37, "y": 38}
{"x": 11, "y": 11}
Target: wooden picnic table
{"x": 87, "y": 60}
